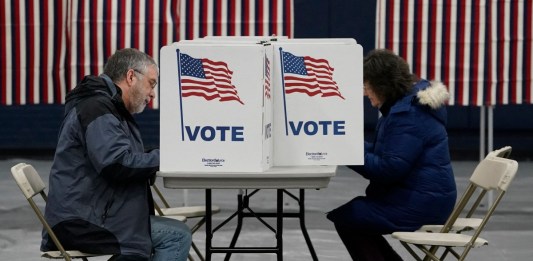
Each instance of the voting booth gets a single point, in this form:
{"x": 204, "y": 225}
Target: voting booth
{"x": 243, "y": 104}
{"x": 216, "y": 107}
{"x": 318, "y": 102}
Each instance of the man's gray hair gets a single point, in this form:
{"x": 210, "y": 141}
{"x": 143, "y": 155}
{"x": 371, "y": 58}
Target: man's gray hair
{"x": 123, "y": 60}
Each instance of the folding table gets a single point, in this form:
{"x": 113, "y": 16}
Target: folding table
{"x": 278, "y": 178}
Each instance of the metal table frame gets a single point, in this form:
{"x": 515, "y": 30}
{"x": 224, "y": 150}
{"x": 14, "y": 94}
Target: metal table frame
{"x": 278, "y": 178}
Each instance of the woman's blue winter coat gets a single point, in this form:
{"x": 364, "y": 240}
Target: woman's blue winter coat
{"x": 409, "y": 169}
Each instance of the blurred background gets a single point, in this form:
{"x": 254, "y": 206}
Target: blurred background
{"x": 481, "y": 49}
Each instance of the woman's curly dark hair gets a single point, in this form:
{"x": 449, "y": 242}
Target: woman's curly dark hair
{"x": 388, "y": 74}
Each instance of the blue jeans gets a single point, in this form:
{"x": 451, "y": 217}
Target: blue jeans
{"x": 171, "y": 239}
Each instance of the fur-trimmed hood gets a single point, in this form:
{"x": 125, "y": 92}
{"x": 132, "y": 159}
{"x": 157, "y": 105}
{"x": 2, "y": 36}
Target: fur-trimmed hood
{"x": 432, "y": 96}
{"x": 435, "y": 95}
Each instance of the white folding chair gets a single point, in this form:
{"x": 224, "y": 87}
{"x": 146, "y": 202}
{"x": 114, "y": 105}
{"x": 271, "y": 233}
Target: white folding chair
{"x": 186, "y": 211}
{"x": 468, "y": 222}
{"x": 491, "y": 174}
{"x": 31, "y": 184}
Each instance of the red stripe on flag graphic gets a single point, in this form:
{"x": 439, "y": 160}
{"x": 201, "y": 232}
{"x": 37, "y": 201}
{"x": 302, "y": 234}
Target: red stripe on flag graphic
{"x": 267, "y": 78}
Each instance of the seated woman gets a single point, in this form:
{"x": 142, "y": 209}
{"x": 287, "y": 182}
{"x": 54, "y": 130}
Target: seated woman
{"x": 408, "y": 163}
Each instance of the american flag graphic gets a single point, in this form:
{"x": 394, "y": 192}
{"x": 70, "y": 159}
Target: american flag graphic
{"x": 481, "y": 49}
{"x": 305, "y": 74}
{"x": 206, "y": 78}
{"x": 267, "y": 78}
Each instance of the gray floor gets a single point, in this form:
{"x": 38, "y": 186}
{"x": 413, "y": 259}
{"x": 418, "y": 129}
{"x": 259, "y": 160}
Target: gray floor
{"x": 509, "y": 232}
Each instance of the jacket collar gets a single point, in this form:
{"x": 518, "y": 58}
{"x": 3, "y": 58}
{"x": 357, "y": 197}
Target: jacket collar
{"x": 92, "y": 86}
{"x": 412, "y": 99}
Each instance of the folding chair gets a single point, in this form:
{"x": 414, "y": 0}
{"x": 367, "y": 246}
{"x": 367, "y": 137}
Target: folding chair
{"x": 468, "y": 223}
{"x": 187, "y": 211}
{"x": 31, "y": 184}
{"x": 491, "y": 174}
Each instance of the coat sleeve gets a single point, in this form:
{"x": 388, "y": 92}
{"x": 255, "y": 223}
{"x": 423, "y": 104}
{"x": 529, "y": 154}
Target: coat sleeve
{"x": 361, "y": 168}
{"x": 111, "y": 152}
{"x": 402, "y": 144}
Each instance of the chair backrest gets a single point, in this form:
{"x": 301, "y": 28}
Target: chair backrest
{"x": 490, "y": 174}
{"x": 494, "y": 173}
{"x": 31, "y": 184}
{"x": 504, "y": 152}
{"x": 27, "y": 179}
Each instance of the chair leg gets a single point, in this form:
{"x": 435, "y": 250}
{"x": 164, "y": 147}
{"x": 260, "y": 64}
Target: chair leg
{"x": 445, "y": 253}
{"x": 195, "y": 228}
{"x": 197, "y": 251}
{"x": 433, "y": 250}
{"x": 450, "y": 250}
{"x": 411, "y": 251}
{"x": 428, "y": 253}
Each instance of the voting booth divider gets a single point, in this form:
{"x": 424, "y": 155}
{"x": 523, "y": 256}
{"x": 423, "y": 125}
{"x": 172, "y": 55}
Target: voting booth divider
{"x": 215, "y": 114}
{"x": 246, "y": 104}
{"x": 318, "y": 102}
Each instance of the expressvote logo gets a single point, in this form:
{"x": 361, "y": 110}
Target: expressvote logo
{"x": 312, "y": 77}
{"x": 210, "y": 80}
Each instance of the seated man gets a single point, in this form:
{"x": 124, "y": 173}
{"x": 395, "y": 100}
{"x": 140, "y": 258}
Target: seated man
{"x": 99, "y": 200}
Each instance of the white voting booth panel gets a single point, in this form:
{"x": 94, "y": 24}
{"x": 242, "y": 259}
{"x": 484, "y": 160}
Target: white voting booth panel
{"x": 242, "y": 38}
{"x": 296, "y": 102}
{"x": 318, "y": 102}
{"x": 216, "y": 107}
{"x": 327, "y": 41}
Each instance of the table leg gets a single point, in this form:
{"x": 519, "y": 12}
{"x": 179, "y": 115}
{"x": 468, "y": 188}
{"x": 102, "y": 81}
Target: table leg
{"x": 280, "y": 215}
{"x": 240, "y": 210}
{"x": 279, "y": 230}
{"x": 208, "y": 225}
{"x": 303, "y": 227}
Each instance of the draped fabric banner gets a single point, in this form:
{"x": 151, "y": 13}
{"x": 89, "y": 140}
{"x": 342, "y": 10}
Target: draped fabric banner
{"x": 236, "y": 18}
{"x": 97, "y": 28}
{"x": 48, "y": 46}
{"x": 32, "y": 51}
{"x": 481, "y": 49}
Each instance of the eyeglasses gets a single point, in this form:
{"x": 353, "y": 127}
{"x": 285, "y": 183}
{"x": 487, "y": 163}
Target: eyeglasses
{"x": 152, "y": 82}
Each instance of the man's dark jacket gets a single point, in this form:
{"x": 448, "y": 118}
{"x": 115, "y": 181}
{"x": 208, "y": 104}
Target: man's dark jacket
{"x": 99, "y": 199}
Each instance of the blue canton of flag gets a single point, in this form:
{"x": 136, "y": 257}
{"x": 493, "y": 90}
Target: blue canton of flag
{"x": 191, "y": 66}
{"x": 293, "y": 64}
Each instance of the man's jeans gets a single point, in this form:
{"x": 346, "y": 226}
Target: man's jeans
{"x": 171, "y": 239}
